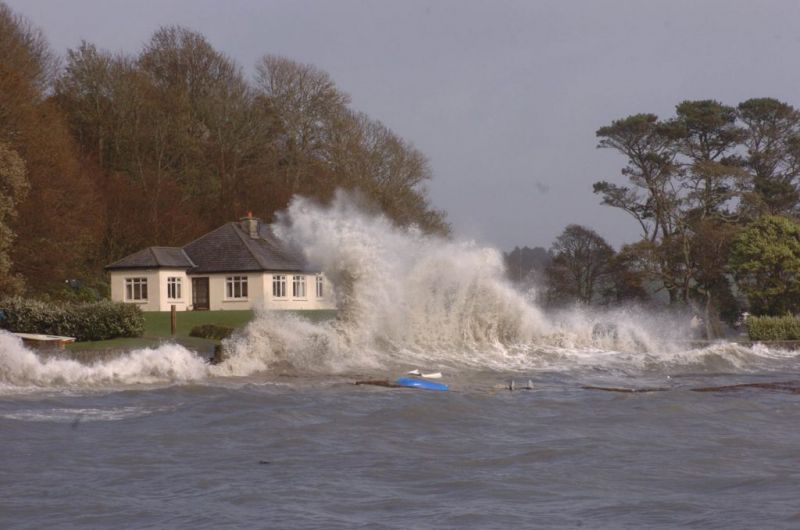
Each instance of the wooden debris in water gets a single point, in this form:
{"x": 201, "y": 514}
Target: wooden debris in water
{"x": 791, "y": 387}
{"x": 624, "y": 390}
{"x": 378, "y": 382}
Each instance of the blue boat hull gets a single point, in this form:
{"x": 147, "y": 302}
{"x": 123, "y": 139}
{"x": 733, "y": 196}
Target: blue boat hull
{"x": 418, "y": 383}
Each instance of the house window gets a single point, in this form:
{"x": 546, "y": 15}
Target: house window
{"x": 173, "y": 288}
{"x": 279, "y": 286}
{"x": 236, "y": 287}
{"x": 320, "y": 290}
{"x": 299, "y": 286}
{"x": 136, "y": 289}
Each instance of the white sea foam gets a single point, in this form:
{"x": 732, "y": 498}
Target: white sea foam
{"x": 78, "y": 415}
{"x": 405, "y": 299}
{"x": 20, "y": 366}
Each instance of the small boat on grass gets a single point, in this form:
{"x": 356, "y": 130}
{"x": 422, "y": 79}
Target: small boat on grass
{"x": 38, "y": 340}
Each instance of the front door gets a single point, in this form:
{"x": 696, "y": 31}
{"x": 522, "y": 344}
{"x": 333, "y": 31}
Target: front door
{"x": 200, "y": 294}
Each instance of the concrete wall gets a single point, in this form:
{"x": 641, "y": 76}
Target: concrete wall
{"x": 259, "y": 291}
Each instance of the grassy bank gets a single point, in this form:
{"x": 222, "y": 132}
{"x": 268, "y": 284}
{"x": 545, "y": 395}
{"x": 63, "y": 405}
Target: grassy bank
{"x": 157, "y": 324}
{"x": 157, "y": 329}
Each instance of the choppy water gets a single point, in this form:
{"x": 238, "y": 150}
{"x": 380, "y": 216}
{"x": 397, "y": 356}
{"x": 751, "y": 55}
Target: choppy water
{"x": 278, "y": 436}
{"x": 345, "y": 456}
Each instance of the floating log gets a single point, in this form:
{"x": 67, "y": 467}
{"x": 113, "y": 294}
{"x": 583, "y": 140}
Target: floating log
{"x": 791, "y": 387}
{"x": 378, "y": 382}
{"x": 624, "y": 390}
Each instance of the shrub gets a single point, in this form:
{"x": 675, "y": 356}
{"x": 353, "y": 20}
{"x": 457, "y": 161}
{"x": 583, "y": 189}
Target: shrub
{"x": 773, "y": 328}
{"x": 211, "y": 331}
{"x": 86, "y": 321}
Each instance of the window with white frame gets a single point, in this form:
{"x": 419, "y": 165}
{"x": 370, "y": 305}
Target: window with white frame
{"x": 136, "y": 289}
{"x": 236, "y": 287}
{"x": 279, "y": 286}
{"x": 174, "y": 288}
{"x": 320, "y": 286}
{"x": 298, "y": 286}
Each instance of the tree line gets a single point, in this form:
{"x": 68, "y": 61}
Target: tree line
{"x": 714, "y": 191}
{"x": 102, "y": 154}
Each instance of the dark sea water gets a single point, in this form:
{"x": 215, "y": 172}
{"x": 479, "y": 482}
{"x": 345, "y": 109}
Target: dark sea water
{"x": 320, "y": 452}
{"x": 278, "y": 436}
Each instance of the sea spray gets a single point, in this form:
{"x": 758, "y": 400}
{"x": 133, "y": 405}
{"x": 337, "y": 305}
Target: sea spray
{"x": 405, "y": 297}
{"x": 21, "y": 367}
{"x": 283, "y": 342}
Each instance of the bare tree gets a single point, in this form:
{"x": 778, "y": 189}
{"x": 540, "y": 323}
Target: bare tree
{"x": 582, "y": 263}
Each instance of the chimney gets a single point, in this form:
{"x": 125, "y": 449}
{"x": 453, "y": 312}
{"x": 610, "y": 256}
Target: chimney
{"x": 250, "y": 225}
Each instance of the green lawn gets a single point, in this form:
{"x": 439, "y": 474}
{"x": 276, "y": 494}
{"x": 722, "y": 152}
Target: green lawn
{"x": 157, "y": 324}
{"x": 157, "y": 329}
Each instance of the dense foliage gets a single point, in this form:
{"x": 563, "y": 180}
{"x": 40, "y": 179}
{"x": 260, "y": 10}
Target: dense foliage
{"x": 88, "y": 321}
{"x": 110, "y": 153}
{"x": 785, "y": 327}
{"x": 50, "y": 216}
{"x": 766, "y": 262}
{"x": 714, "y": 190}
{"x": 695, "y": 181}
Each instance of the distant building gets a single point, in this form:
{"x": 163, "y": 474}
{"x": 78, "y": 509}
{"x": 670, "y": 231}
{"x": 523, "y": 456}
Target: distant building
{"x": 237, "y": 266}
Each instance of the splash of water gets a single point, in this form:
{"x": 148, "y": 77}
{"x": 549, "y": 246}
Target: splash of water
{"x": 406, "y": 298}
{"x": 21, "y": 367}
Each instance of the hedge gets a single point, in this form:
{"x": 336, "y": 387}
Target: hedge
{"x": 87, "y": 321}
{"x": 773, "y": 328}
{"x": 211, "y": 331}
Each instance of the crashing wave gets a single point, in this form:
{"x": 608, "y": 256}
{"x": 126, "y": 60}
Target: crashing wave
{"x": 405, "y": 298}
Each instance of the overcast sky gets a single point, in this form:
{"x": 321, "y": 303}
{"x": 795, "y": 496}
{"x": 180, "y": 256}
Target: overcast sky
{"x": 504, "y": 97}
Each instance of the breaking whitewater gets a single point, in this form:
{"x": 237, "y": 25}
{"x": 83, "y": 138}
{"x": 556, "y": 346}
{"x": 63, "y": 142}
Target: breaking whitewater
{"x": 407, "y": 300}
{"x": 628, "y": 429}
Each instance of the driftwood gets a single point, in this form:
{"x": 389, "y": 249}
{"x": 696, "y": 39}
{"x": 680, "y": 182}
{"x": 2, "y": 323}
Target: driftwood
{"x": 378, "y": 382}
{"x": 624, "y": 390}
{"x": 791, "y": 387}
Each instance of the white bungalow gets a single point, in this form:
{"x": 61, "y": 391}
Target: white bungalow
{"x": 237, "y": 266}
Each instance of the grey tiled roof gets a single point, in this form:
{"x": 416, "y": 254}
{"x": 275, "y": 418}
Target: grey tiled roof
{"x": 227, "y": 249}
{"x": 154, "y": 257}
{"x": 230, "y": 249}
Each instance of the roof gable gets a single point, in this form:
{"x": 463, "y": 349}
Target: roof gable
{"x": 227, "y": 249}
{"x": 154, "y": 257}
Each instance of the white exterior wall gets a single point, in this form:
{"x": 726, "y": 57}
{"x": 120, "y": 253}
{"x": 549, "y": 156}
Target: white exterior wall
{"x": 185, "y": 301}
{"x": 309, "y": 301}
{"x": 156, "y": 289}
{"x": 216, "y": 291}
{"x": 259, "y": 291}
{"x": 153, "y": 288}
